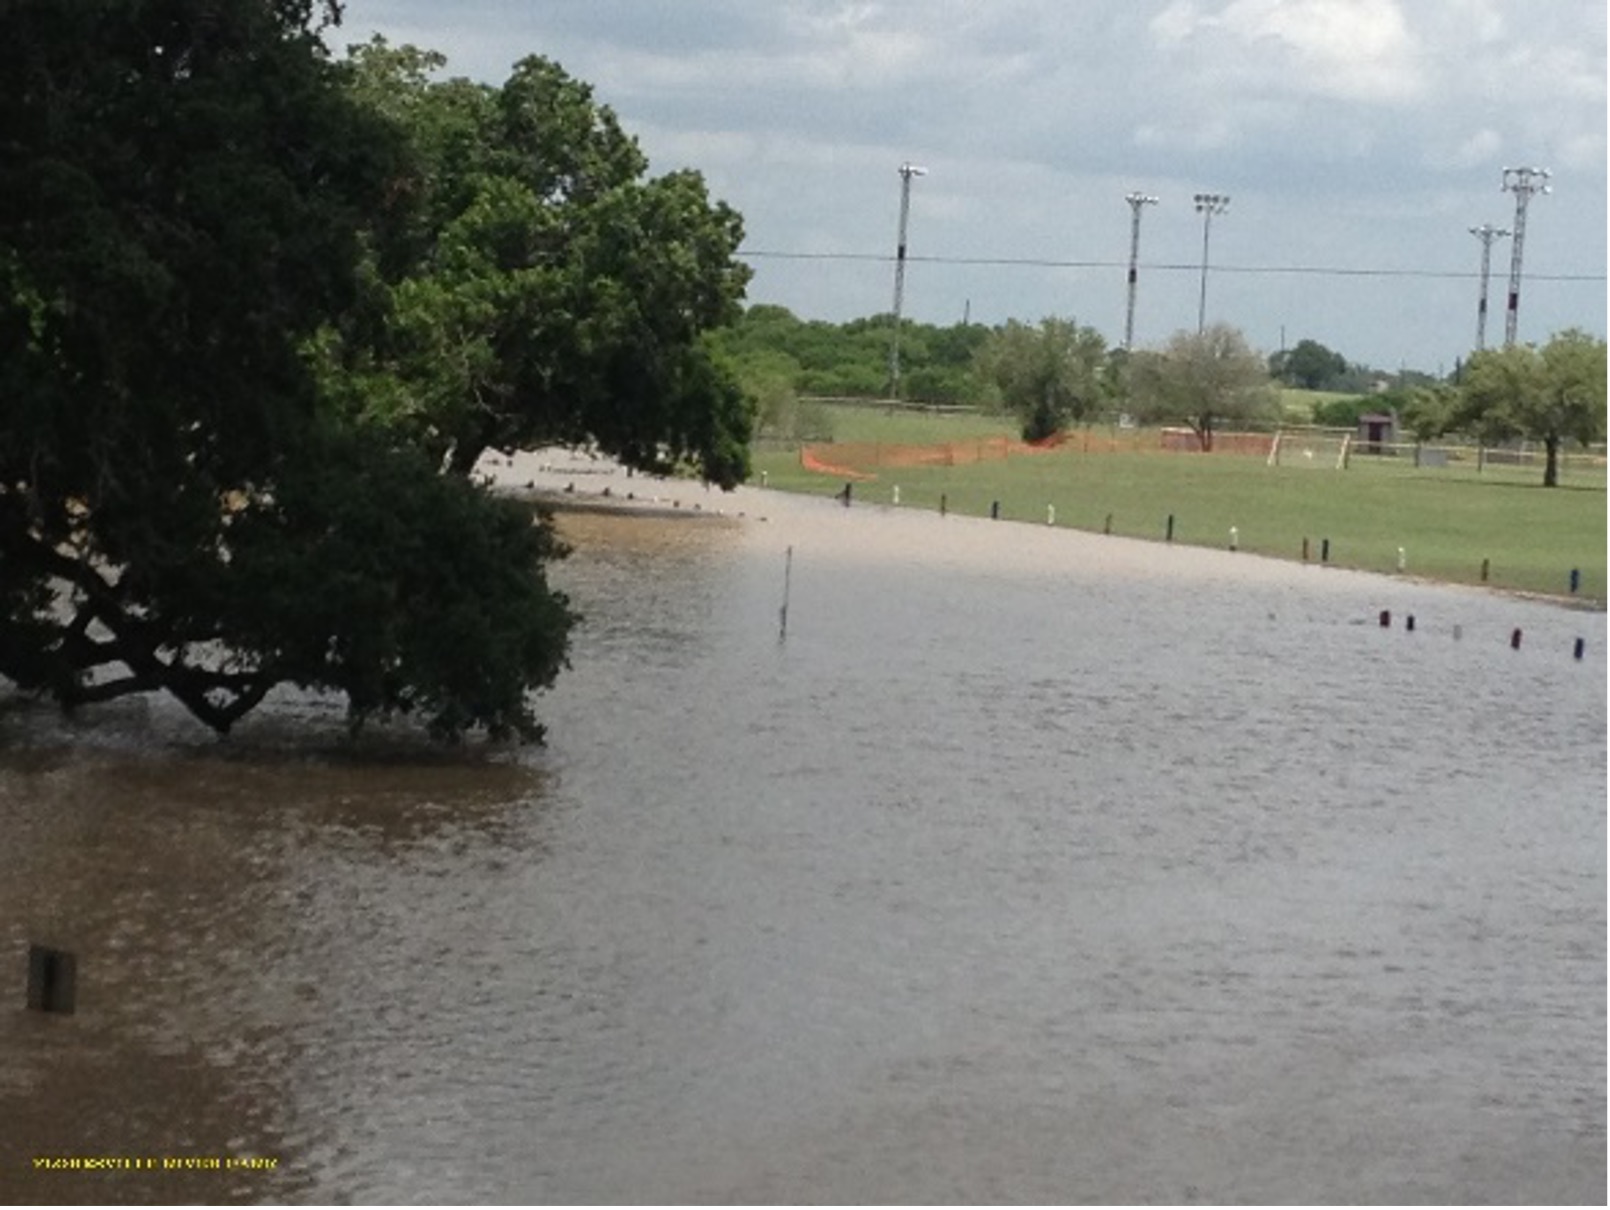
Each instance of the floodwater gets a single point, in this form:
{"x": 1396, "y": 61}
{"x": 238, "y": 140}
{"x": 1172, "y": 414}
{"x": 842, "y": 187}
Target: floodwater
{"x": 1030, "y": 867}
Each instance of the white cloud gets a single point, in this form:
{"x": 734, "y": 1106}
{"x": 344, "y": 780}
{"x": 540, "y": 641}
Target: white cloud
{"x": 1482, "y": 148}
{"x": 1359, "y": 50}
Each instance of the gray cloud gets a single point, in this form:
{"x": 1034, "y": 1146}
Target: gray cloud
{"x": 1352, "y": 133}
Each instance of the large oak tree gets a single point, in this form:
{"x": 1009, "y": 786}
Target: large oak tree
{"x": 254, "y": 301}
{"x": 546, "y": 289}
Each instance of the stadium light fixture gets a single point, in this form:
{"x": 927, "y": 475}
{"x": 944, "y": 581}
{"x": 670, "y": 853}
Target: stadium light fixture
{"x": 907, "y": 171}
{"x": 1207, "y": 205}
{"x": 1137, "y": 202}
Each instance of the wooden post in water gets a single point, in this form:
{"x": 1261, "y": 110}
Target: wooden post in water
{"x": 52, "y": 980}
{"x": 788, "y": 574}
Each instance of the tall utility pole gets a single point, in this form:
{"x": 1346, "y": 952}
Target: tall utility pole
{"x": 1207, "y": 205}
{"x": 907, "y": 171}
{"x": 1486, "y": 233}
{"x": 1137, "y": 202}
{"x": 1523, "y": 183}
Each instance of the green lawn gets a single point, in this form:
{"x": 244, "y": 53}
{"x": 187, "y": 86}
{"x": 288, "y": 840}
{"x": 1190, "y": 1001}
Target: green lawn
{"x": 897, "y": 425}
{"x": 1297, "y": 405}
{"x": 1447, "y": 520}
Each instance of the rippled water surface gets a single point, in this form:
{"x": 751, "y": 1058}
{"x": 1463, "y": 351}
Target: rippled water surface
{"x": 1012, "y": 875}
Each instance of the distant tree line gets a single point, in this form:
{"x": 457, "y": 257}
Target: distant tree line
{"x": 1058, "y": 373}
{"x": 1047, "y": 376}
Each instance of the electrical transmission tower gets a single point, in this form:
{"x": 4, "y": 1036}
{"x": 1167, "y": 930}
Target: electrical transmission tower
{"x": 1523, "y": 183}
{"x": 907, "y": 171}
{"x": 1137, "y": 201}
{"x": 1486, "y": 233}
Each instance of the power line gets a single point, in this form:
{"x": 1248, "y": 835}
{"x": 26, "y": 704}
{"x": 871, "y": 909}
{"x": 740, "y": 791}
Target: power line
{"x": 1018, "y": 262}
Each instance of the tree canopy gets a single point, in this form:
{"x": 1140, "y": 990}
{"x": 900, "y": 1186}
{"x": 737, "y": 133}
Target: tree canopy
{"x": 1203, "y": 379}
{"x": 852, "y": 359}
{"x": 254, "y": 302}
{"x": 1553, "y": 395}
{"x": 543, "y": 289}
{"x": 1048, "y": 376}
{"x": 1309, "y": 365}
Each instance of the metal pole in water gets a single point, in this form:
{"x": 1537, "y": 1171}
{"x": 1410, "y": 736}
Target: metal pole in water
{"x": 788, "y": 575}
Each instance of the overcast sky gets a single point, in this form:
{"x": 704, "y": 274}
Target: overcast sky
{"x": 1359, "y": 140}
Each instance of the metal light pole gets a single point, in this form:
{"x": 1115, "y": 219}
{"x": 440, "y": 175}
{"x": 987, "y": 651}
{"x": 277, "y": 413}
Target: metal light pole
{"x": 907, "y": 171}
{"x": 1207, "y": 205}
{"x": 1486, "y": 233}
{"x": 1523, "y": 183}
{"x": 1137, "y": 202}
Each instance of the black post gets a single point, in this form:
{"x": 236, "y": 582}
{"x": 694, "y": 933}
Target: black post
{"x": 52, "y": 980}
{"x": 1324, "y": 550}
{"x": 995, "y": 510}
{"x": 1170, "y": 535}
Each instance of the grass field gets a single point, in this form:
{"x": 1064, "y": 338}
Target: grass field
{"x": 1447, "y": 521}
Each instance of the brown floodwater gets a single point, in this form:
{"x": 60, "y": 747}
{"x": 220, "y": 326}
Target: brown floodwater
{"x": 1031, "y": 867}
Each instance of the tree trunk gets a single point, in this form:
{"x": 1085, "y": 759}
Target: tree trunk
{"x": 1551, "y": 466}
